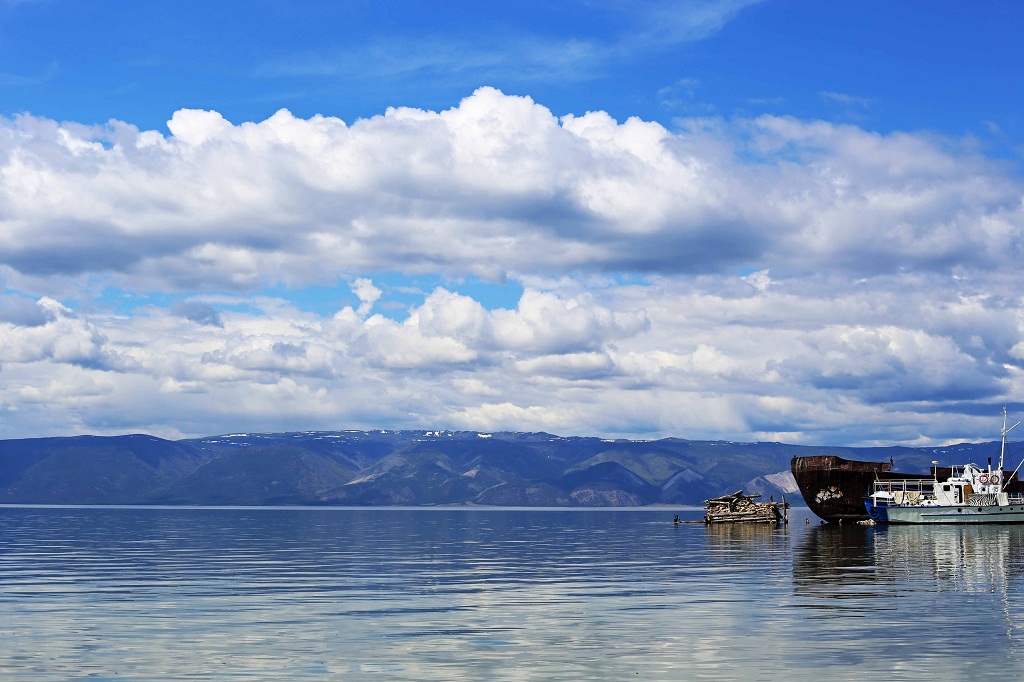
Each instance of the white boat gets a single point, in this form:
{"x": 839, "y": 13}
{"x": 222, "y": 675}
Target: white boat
{"x": 971, "y": 494}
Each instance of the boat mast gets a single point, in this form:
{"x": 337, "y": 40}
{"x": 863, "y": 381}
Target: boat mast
{"x": 1002, "y": 448}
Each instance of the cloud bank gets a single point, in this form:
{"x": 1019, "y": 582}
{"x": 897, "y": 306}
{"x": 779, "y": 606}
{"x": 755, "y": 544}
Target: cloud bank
{"x": 767, "y": 278}
{"x": 497, "y": 186}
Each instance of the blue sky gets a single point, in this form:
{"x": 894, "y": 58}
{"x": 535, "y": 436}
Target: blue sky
{"x": 773, "y": 220}
{"x": 948, "y": 67}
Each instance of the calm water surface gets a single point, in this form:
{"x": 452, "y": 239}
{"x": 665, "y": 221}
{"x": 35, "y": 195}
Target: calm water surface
{"x": 477, "y": 594}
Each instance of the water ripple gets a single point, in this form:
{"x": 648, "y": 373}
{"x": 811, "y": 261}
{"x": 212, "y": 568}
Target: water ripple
{"x": 242, "y": 594}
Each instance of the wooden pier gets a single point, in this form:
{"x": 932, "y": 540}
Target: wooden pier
{"x": 740, "y": 508}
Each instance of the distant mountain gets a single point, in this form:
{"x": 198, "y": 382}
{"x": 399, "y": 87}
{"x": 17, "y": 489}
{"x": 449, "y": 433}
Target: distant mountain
{"x": 416, "y": 468}
{"x": 92, "y": 469}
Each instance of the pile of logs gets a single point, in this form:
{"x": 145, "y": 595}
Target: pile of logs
{"x": 740, "y": 508}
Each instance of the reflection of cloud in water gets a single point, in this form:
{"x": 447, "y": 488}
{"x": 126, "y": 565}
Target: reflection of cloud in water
{"x": 468, "y": 595}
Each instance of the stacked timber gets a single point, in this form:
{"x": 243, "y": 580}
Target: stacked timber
{"x": 740, "y": 508}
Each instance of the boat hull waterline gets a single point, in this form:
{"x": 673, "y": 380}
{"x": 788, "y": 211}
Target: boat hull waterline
{"x": 946, "y": 515}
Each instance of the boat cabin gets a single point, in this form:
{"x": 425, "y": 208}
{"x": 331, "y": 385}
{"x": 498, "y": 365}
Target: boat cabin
{"x": 952, "y": 492}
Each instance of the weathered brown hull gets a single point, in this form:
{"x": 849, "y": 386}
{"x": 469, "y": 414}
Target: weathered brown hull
{"x": 833, "y": 487}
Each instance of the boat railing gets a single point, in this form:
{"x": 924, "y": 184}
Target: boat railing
{"x": 911, "y": 491}
{"x": 916, "y": 485}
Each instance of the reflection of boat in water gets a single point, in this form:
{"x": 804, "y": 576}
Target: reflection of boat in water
{"x": 970, "y": 494}
{"x": 835, "y": 488}
{"x": 913, "y": 587}
{"x": 835, "y": 564}
{"x": 966, "y": 558}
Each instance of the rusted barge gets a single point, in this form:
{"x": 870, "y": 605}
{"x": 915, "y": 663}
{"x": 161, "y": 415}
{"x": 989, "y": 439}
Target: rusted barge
{"x": 834, "y": 488}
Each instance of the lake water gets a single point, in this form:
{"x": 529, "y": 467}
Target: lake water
{"x": 480, "y": 594}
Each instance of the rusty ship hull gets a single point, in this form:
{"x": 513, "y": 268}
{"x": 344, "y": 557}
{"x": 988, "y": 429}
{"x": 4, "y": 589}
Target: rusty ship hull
{"x": 833, "y": 487}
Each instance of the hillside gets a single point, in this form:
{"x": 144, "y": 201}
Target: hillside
{"x": 414, "y": 468}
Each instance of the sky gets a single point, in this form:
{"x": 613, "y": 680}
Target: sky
{"x": 747, "y": 220}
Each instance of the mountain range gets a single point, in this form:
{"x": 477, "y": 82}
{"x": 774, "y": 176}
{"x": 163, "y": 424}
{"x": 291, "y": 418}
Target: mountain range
{"x": 415, "y": 468}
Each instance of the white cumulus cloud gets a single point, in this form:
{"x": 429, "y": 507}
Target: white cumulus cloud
{"x": 744, "y": 278}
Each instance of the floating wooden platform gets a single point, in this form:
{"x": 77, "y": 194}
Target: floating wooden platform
{"x": 740, "y": 508}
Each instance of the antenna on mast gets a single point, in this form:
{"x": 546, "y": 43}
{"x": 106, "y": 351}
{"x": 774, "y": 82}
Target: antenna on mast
{"x": 1002, "y": 447}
